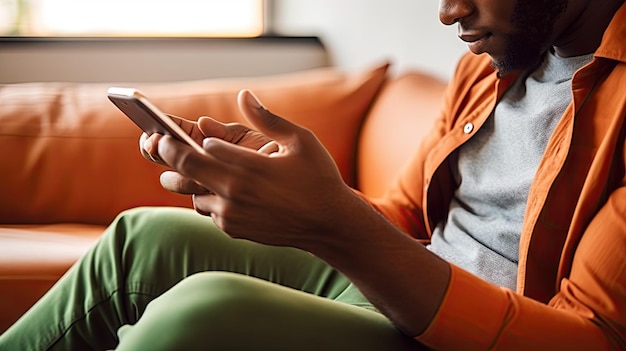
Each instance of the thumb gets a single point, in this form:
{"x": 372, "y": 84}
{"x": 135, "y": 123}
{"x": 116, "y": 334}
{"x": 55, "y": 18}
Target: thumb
{"x": 273, "y": 126}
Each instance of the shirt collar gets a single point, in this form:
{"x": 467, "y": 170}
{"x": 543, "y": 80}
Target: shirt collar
{"x": 612, "y": 45}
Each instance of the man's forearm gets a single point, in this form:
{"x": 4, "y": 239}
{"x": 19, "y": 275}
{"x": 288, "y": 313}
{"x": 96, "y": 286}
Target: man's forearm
{"x": 396, "y": 273}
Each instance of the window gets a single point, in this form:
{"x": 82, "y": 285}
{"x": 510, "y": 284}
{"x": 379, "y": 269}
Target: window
{"x": 158, "y": 18}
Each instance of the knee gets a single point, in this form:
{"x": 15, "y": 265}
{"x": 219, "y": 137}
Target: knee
{"x": 146, "y": 227}
{"x": 214, "y": 293}
{"x": 209, "y": 308}
{"x": 227, "y": 301}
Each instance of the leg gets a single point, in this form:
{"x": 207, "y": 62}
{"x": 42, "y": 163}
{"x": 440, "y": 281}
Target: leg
{"x": 226, "y": 311}
{"x": 141, "y": 255}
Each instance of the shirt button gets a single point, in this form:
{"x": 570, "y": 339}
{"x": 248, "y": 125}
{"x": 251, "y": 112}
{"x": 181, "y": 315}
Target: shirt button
{"x": 469, "y": 127}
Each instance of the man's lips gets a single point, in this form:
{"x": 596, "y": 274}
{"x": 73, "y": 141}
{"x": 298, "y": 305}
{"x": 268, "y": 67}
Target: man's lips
{"x": 476, "y": 42}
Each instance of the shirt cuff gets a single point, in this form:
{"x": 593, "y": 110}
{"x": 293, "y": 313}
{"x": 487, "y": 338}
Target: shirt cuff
{"x": 470, "y": 316}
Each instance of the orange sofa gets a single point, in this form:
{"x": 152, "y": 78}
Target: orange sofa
{"x": 69, "y": 160}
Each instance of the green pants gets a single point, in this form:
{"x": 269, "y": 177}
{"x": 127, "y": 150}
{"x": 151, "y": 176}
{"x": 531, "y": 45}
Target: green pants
{"x": 168, "y": 279}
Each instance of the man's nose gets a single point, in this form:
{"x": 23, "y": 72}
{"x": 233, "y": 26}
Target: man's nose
{"x": 451, "y": 11}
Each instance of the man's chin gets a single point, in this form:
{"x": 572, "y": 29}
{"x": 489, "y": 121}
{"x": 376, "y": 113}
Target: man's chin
{"x": 522, "y": 53}
{"x": 520, "y": 62}
{"x": 502, "y": 66}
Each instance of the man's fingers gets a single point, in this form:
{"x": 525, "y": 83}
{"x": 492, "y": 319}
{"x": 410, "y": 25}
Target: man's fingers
{"x": 209, "y": 172}
{"x": 184, "y": 124}
{"x": 147, "y": 145}
{"x": 206, "y": 204}
{"x": 189, "y": 127}
{"x": 177, "y": 183}
{"x": 228, "y": 153}
{"x": 269, "y": 148}
{"x": 211, "y": 128}
{"x": 274, "y": 127}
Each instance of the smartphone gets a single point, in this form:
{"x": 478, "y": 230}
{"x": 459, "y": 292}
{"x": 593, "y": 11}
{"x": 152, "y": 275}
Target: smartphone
{"x": 147, "y": 116}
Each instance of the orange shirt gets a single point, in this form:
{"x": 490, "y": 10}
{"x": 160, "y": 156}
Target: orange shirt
{"x": 571, "y": 291}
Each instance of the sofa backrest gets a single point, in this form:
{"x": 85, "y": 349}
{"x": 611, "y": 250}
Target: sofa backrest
{"x": 401, "y": 115}
{"x": 67, "y": 155}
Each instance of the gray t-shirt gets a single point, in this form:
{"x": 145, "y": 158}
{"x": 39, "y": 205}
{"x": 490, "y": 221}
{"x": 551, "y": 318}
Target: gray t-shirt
{"x": 495, "y": 170}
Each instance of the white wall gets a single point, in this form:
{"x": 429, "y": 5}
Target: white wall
{"x": 359, "y": 33}
{"x": 153, "y": 59}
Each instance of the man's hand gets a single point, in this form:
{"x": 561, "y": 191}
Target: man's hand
{"x": 205, "y": 127}
{"x": 276, "y": 196}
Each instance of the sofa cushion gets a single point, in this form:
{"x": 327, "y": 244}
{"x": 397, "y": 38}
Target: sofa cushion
{"x": 33, "y": 257}
{"x": 67, "y": 155}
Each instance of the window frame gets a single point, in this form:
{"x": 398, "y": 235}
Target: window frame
{"x": 267, "y": 23}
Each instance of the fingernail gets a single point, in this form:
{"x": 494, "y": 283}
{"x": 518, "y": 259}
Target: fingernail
{"x": 147, "y": 145}
{"x": 253, "y": 102}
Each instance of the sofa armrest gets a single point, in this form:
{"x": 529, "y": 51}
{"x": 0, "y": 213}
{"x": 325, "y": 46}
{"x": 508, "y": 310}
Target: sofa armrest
{"x": 399, "y": 118}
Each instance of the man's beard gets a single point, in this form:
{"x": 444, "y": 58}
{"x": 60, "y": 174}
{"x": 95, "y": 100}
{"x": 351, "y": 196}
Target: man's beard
{"x": 534, "y": 23}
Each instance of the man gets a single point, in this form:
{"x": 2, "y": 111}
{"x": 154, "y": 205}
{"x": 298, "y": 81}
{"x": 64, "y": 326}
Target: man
{"x": 527, "y": 161}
